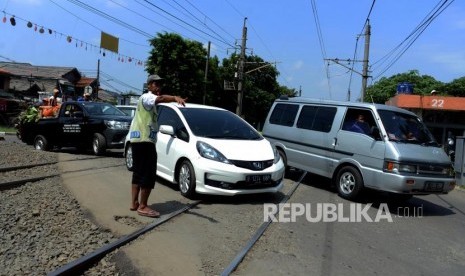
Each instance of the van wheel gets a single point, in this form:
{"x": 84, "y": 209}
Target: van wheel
{"x": 186, "y": 179}
{"x": 128, "y": 158}
{"x": 349, "y": 183}
{"x": 41, "y": 143}
{"x": 99, "y": 144}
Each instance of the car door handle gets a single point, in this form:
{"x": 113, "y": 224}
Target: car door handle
{"x": 334, "y": 142}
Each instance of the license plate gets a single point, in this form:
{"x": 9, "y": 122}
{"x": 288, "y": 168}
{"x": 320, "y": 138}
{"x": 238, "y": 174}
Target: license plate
{"x": 433, "y": 186}
{"x": 261, "y": 178}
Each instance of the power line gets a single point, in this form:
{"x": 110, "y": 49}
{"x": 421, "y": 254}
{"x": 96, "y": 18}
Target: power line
{"x": 109, "y": 17}
{"x": 321, "y": 43}
{"x": 221, "y": 28}
{"x": 417, "y": 32}
{"x": 90, "y": 24}
{"x": 188, "y": 24}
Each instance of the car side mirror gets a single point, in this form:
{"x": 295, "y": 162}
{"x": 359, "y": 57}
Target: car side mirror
{"x": 166, "y": 129}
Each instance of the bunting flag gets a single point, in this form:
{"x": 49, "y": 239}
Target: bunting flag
{"x": 109, "y": 42}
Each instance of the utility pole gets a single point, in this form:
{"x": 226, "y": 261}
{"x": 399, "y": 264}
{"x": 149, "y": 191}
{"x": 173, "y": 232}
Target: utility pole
{"x": 364, "y": 73}
{"x": 365, "y": 60}
{"x": 206, "y": 74}
{"x": 241, "y": 71}
{"x": 98, "y": 80}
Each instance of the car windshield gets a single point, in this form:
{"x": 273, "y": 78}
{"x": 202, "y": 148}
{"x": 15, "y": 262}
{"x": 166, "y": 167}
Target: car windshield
{"x": 218, "y": 124}
{"x": 102, "y": 109}
{"x": 403, "y": 127}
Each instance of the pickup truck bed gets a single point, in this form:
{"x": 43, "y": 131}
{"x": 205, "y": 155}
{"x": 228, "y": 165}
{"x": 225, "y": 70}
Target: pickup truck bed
{"x": 84, "y": 125}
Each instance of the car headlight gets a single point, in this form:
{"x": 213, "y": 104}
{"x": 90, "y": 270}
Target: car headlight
{"x": 276, "y": 155}
{"x": 209, "y": 152}
{"x": 112, "y": 124}
{"x": 394, "y": 167}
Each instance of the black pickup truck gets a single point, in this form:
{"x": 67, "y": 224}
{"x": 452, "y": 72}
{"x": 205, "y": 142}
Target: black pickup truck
{"x": 84, "y": 125}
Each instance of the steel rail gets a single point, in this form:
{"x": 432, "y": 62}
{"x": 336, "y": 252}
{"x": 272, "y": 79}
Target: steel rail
{"x": 256, "y": 236}
{"x": 14, "y": 168}
{"x": 17, "y": 183}
{"x": 78, "y": 266}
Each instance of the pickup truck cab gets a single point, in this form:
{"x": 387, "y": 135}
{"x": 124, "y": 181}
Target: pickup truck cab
{"x": 83, "y": 125}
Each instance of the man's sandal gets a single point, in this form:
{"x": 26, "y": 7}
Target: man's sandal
{"x": 148, "y": 213}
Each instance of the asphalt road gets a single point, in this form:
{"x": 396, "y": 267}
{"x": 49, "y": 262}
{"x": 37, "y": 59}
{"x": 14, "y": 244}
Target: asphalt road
{"x": 425, "y": 237}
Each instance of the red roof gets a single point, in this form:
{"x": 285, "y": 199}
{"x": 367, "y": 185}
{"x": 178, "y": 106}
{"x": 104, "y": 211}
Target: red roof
{"x": 4, "y": 72}
{"x": 84, "y": 81}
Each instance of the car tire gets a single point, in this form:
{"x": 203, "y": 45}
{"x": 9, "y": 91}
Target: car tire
{"x": 99, "y": 144}
{"x": 349, "y": 183}
{"x": 41, "y": 143}
{"x": 186, "y": 179}
{"x": 128, "y": 158}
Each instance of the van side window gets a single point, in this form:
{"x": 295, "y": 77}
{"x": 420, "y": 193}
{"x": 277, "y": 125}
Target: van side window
{"x": 284, "y": 114}
{"x": 359, "y": 120}
{"x": 318, "y": 118}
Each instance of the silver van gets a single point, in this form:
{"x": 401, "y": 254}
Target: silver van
{"x": 359, "y": 145}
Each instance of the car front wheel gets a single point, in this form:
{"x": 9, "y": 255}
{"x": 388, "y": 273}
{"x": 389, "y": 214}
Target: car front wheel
{"x": 186, "y": 179}
{"x": 99, "y": 145}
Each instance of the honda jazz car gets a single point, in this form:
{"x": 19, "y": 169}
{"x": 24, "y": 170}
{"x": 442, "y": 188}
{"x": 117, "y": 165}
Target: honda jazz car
{"x": 209, "y": 150}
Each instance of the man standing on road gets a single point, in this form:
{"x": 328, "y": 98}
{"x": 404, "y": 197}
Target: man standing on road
{"x": 143, "y": 135}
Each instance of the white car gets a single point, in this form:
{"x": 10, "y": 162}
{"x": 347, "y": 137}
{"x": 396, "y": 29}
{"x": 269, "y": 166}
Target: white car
{"x": 130, "y": 110}
{"x": 209, "y": 150}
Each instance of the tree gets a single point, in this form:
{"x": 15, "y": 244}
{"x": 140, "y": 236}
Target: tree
{"x": 181, "y": 62}
{"x": 455, "y": 88}
{"x": 386, "y": 88}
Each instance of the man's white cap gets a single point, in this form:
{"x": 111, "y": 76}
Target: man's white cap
{"x": 152, "y": 78}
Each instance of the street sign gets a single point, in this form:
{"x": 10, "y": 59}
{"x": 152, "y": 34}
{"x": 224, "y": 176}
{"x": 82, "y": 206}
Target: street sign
{"x": 88, "y": 89}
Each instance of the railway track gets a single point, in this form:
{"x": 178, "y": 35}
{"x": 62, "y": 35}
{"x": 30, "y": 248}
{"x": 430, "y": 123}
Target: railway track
{"x": 18, "y": 182}
{"x": 81, "y": 265}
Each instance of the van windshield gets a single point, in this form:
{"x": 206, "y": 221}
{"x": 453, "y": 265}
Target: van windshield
{"x": 403, "y": 127}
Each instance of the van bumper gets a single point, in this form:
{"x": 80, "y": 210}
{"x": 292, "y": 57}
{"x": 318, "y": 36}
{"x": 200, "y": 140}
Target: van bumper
{"x": 415, "y": 185}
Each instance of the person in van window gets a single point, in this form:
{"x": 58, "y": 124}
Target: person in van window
{"x": 394, "y": 129}
{"x": 359, "y": 125}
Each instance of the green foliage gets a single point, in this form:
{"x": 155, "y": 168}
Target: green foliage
{"x": 455, "y": 88}
{"x": 31, "y": 114}
{"x": 182, "y": 63}
{"x": 386, "y": 88}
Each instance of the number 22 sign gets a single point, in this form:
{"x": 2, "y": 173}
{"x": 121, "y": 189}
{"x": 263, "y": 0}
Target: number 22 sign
{"x": 437, "y": 103}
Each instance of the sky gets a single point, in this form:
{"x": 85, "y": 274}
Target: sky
{"x": 301, "y": 37}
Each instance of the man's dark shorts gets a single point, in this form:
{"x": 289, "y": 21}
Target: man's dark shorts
{"x": 144, "y": 157}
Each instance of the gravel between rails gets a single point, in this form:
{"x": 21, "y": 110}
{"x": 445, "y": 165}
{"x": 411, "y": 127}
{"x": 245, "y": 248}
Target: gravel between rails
{"x": 42, "y": 225}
